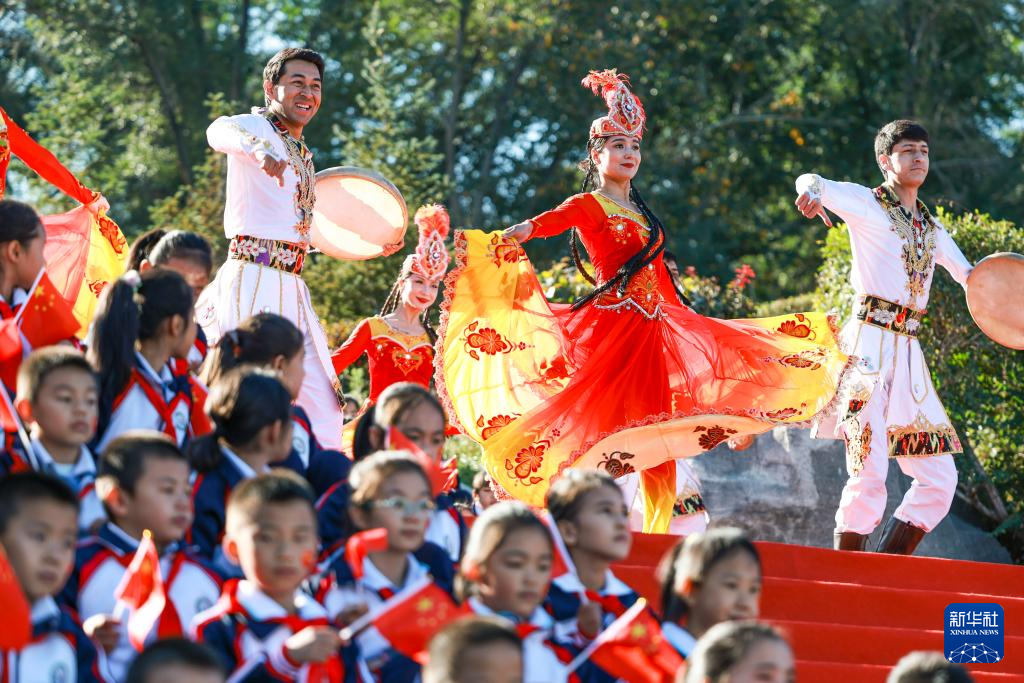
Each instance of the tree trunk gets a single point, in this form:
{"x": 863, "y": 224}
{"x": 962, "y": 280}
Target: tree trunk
{"x": 168, "y": 103}
{"x": 238, "y": 59}
{"x": 451, "y": 123}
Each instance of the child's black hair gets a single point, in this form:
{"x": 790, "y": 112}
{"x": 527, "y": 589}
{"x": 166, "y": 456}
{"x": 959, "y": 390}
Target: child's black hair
{"x": 16, "y": 489}
{"x": 240, "y": 404}
{"x": 699, "y": 553}
{"x": 125, "y": 457}
{"x": 141, "y": 247}
{"x": 565, "y": 497}
{"x": 257, "y": 341}
{"x": 181, "y": 244}
{"x": 127, "y": 315}
{"x": 43, "y": 362}
{"x": 18, "y": 222}
{"x": 449, "y": 647}
{"x": 173, "y": 652}
{"x": 280, "y": 486}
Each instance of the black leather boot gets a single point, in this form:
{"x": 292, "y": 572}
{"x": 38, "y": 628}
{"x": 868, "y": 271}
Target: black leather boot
{"x": 848, "y": 540}
{"x": 899, "y": 538}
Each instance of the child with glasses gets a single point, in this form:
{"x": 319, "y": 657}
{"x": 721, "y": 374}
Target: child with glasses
{"x": 390, "y": 491}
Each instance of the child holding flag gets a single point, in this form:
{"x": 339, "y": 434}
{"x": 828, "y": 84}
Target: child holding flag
{"x": 38, "y": 527}
{"x": 264, "y": 627}
{"x": 143, "y": 481}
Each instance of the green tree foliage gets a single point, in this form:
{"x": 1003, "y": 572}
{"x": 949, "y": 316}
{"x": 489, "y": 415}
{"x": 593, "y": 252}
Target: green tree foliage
{"x": 979, "y": 381}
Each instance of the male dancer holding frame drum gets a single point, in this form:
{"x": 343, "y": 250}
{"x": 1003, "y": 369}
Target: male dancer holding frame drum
{"x": 267, "y": 217}
{"x": 889, "y": 407}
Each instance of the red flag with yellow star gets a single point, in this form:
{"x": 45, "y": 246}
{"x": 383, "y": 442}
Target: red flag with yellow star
{"x": 16, "y": 627}
{"x": 634, "y": 649}
{"x": 410, "y": 619}
{"x": 47, "y": 318}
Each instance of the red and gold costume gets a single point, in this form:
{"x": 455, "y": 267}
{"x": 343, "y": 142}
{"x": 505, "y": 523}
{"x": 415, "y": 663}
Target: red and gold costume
{"x": 631, "y": 377}
{"x": 393, "y": 355}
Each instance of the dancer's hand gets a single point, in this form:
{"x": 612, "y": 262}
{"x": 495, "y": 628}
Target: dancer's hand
{"x": 274, "y": 168}
{"x": 519, "y": 232}
{"x": 741, "y": 443}
{"x": 811, "y": 206}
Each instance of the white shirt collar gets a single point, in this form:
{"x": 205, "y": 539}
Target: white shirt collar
{"x": 539, "y": 618}
{"x": 613, "y": 585}
{"x": 44, "y": 608}
{"x": 261, "y": 606}
{"x": 83, "y": 466}
{"x": 242, "y": 466}
{"x": 375, "y": 580}
{"x": 157, "y": 378}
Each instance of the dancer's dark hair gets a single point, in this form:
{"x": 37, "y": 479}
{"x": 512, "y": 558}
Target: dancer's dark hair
{"x": 395, "y": 297}
{"x": 640, "y": 260}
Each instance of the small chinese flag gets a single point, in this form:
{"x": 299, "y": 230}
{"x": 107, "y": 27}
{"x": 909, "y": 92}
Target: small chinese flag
{"x": 47, "y": 317}
{"x": 358, "y": 546}
{"x": 633, "y": 648}
{"x": 10, "y": 356}
{"x": 410, "y": 619}
{"x": 142, "y": 590}
{"x": 443, "y": 476}
{"x": 16, "y": 625}
{"x": 562, "y": 563}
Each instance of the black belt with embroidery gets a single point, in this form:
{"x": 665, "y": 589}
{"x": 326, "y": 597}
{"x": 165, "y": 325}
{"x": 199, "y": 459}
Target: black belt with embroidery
{"x": 888, "y": 315}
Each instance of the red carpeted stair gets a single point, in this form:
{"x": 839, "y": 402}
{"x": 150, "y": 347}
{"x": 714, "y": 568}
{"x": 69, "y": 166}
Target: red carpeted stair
{"x": 852, "y": 616}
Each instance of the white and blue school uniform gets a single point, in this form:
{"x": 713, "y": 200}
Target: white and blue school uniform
{"x": 59, "y": 651}
{"x": 563, "y": 603}
{"x": 81, "y": 477}
{"x": 545, "y": 659}
{"x": 161, "y": 401}
{"x": 323, "y": 468}
{"x": 339, "y": 590}
{"x": 247, "y": 630}
{"x": 100, "y": 564}
{"x": 210, "y": 491}
{"x": 447, "y": 528}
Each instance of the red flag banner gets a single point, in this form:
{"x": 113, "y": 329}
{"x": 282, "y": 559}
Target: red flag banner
{"x": 46, "y": 318}
{"x": 16, "y": 626}
{"x": 358, "y": 546}
{"x": 410, "y": 619}
{"x": 443, "y": 476}
{"x": 142, "y": 590}
{"x": 633, "y": 648}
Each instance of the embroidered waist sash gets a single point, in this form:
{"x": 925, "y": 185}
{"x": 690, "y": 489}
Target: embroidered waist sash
{"x": 894, "y": 317}
{"x": 286, "y": 256}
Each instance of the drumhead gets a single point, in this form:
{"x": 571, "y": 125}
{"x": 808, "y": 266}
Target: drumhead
{"x": 994, "y": 290}
{"x": 359, "y": 214}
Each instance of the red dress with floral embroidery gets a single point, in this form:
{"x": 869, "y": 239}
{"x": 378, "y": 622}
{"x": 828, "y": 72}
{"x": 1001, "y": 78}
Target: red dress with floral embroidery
{"x": 393, "y": 355}
{"x": 625, "y": 383}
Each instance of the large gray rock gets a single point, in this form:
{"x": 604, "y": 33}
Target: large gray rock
{"x": 786, "y": 488}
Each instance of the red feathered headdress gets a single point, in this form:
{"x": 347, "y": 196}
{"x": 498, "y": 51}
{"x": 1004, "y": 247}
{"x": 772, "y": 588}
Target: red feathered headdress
{"x": 625, "y": 113}
{"x": 430, "y": 260}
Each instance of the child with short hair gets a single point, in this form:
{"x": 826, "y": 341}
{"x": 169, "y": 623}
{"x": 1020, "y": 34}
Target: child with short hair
{"x": 143, "y": 322}
{"x": 483, "y": 496}
{"x": 411, "y": 409}
{"x": 928, "y": 667}
{"x": 57, "y": 398}
{"x": 741, "y": 651}
{"x": 186, "y": 253}
{"x": 252, "y": 414}
{"x": 592, "y": 518}
{"x": 390, "y": 490}
{"x": 176, "y": 660}
{"x": 143, "y": 481}
{"x": 475, "y": 650}
{"x": 21, "y": 253}
{"x": 506, "y": 572}
{"x": 272, "y": 341}
{"x": 38, "y": 528}
{"x": 706, "y": 579}
{"x": 264, "y": 627}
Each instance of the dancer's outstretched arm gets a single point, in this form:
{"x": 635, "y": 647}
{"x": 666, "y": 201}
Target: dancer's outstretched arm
{"x": 849, "y": 200}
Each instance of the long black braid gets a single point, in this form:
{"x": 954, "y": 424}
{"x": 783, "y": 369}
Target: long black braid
{"x": 640, "y": 260}
{"x": 391, "y": 305}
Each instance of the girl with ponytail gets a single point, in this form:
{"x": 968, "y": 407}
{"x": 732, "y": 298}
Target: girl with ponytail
{"x": 627, "y": 378}
{"x": 143, "y": 323}
{"x": 273, "y": 342}
{"x": 251, "y": 411}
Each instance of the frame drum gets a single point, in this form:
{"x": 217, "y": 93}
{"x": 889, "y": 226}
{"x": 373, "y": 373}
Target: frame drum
{"x": 359, "y": 214}
{"x": 994, "y": 291}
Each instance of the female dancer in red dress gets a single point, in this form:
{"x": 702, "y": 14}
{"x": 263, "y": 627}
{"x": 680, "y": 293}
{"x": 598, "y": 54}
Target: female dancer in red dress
{"x": 399, "y": 341}
{"x": 627, "y": 378}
